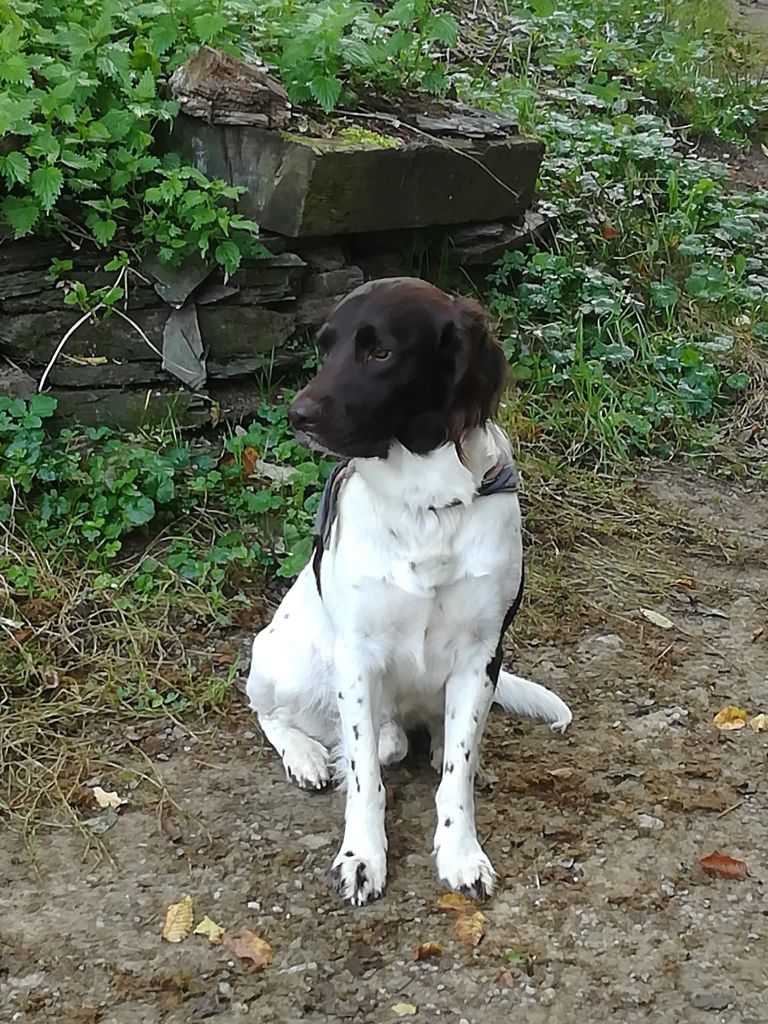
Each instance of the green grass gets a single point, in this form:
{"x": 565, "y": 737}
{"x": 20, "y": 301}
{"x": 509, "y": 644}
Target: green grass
{"x": 131, "y": 568}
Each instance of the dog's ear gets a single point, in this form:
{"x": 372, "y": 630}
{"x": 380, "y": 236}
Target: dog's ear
{"x": 477, "y": 364}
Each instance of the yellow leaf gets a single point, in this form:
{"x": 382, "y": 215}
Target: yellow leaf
{"x": 470, "y": 928}
{"x": 178, "y": 921}
{"x": 730, "y": 717}
{"x": 211, "y": 930}
{"x": 454, "y": 901}
{"x": 759, "y": 723}
{"x": 426, "y": 950}
{"x": 248, "y": 946}
{"x": 656, "y": 618}
{"x": 105, "y": 799}
{"x": 404, "y": 1009}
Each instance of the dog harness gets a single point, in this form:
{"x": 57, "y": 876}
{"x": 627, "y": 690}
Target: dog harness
{"x": 503, "y": 478}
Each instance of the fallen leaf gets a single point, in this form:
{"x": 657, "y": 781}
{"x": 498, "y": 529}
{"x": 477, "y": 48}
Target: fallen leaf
{"x": 404, "y": 1009}
{"x": 23, "y": 635}
{"x": 426, "y": 950}
{"x": 470, "y": 928}
{"x": 101, "y": 823}
{"x": 212, "y": 931}
{"x": 560, "y": 773}
{"x": 246, "y": 945}
{"x": 178, "y": 921}
{"x": 249, "y": 459}
{"x": 454, "y": 901}
{"x": 758, "y": 633}
{"x": 170, "y": 828}
{"x": 724, "y": 866}
{"x": 105, "y": 799}
{"x": 730, "y": 717}
{"x": 610, "y": 232}
{"x": 764, "y": 148}
{"x": 86, "y": 360}
{"x": 759, "y": 723}
{"x": 657, "y": 619}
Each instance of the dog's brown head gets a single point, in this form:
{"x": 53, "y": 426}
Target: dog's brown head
{"x": 404, "y": 362}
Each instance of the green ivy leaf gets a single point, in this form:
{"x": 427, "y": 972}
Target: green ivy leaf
{"x": 42, "y": 405}
{"x": 21, "y": 214}
{"x": 228, "y": 256}
{"x": 46, "y": 184}
{"x": 15, "y": 168}
{"x": 663, "y": 294}
{"x": 325, "y": 90}
{"x": 139, "y": 510}
{"x": 737, "y": 381}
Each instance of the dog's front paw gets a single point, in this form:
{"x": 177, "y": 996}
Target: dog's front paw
{"x": 306, "y": 762}
{"x": 464, "y": 867}
{"x": 358, "y": 878}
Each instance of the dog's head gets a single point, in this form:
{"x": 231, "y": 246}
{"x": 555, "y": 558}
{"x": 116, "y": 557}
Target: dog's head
{"x": 404, "y": 362}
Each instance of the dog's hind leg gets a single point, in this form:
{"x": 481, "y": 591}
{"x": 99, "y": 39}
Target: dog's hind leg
{"x": 393, "y": 743}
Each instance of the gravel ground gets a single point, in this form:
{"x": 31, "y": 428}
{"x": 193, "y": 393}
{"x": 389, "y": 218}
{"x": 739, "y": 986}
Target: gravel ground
{"x": 601, "y": 909}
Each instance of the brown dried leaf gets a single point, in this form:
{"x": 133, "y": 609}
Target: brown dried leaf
{"x": 426, "y": 950}
{"x": 170, "y": 828}
{"x": 454, "y": 901}
{"x": 560, "y": 773}
{"x": 178, "y": 921}
{"x": 212, "y": 931}
{"x": 246, "y": 945}
{"x": 657, "y": 618}
{"x": 724, "y": 866}
{"x": 250, "y": 457}
{"x": 730, "y": 717}
{"x": 470, "y": 928}
{"x": 759, "y": 723}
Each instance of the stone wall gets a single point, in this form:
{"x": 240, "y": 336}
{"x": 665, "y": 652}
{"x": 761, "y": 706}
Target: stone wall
{"x": 226, "y": 341}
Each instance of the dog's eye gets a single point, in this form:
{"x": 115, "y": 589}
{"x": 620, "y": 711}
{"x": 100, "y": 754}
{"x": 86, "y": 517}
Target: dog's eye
{"x": 380, "y": 354}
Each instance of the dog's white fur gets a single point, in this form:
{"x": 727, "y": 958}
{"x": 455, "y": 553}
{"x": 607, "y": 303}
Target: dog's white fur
{"x": 416, "y": 582}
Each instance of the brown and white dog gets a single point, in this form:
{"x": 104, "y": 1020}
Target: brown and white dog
{"x": 398, "y": 620}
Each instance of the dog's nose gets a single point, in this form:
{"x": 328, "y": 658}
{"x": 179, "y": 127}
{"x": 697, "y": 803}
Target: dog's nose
{"x": 304, "y": 412}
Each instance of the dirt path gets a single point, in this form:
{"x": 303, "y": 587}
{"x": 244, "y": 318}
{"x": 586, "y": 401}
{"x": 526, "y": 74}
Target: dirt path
{"x": 600, "y": 900}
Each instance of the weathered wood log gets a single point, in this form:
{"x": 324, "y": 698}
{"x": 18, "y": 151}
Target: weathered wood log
{"x": 223, "y": 90}
{"x": 319, "y": 187}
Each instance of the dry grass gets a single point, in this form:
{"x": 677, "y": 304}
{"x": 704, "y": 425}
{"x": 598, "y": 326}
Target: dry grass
{"x": 81, "y": 670}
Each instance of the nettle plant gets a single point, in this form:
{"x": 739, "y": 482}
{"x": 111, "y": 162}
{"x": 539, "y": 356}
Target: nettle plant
{"x": 83, "y": 100}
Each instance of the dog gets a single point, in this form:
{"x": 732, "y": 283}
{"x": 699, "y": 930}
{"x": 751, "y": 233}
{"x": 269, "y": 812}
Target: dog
{"x": 397, "y": 621}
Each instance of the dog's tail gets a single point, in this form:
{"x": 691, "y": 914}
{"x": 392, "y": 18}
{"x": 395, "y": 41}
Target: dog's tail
{"x": 523, "y": 697}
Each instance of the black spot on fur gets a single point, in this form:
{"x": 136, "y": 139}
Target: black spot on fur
{"x": 340, "y": 695}
{"x": 349, "y": 853}
{"x": 357, "y": 783}
{"x": 449, "y": 767}
{"x": 466, "y": 755}
{"x": 356, "y": 732}
{"x": 447, "y": 823}
{"x": 352, "y": 764}
{"x": 360, "y": 701}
